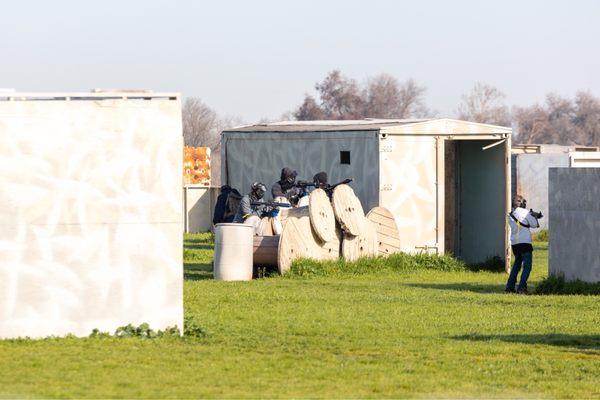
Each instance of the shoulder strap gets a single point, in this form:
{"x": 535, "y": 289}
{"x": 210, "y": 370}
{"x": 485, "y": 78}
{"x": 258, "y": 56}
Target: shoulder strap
{"x": 517, "y": 221}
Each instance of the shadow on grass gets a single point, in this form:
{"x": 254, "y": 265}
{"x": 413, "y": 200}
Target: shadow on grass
{"x": 462, "y": 287}
{"x": 197, "y": 271}
{"x": 198, "y": 246}
{"x": 576, "y": 342}
{"x": 204, "y": 238}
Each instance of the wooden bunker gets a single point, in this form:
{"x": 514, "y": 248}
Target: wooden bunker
{"x": 323, "y": 231}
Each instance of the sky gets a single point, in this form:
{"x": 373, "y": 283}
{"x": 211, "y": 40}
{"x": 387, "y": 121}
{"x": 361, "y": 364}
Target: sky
{"x": 257, "y": 59}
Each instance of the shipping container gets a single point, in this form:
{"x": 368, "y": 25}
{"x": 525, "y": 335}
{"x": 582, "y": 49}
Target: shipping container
{"x": 447, "y": 182}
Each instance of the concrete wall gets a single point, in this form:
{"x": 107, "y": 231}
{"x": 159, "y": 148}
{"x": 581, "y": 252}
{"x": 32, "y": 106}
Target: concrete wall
{"x": 532, "y": 179}
{"x": 575, "y": 223}
{"x": 91, "y": 215}
{"x": 199, "y": 207}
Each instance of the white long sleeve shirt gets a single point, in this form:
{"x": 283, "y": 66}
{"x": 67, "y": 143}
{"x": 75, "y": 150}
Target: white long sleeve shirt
{"x": 518, "y": 232}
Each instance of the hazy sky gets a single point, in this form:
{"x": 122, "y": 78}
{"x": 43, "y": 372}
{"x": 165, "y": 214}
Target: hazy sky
{"x": 257, "y": 58}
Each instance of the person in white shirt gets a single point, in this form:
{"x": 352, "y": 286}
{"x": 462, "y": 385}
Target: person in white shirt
{"x": 521, "y": 221}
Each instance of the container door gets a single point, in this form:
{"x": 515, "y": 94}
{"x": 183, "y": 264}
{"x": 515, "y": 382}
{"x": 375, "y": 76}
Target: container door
{"x": 408, "y": 188}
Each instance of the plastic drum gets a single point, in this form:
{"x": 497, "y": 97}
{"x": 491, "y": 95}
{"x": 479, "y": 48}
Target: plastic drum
{"x": 233, "y": 252}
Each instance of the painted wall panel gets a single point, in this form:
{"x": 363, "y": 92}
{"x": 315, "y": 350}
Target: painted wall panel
{"x": 408, "y": 188}
{"x": 90, "y": 215}
{"x": 574, "y": 249}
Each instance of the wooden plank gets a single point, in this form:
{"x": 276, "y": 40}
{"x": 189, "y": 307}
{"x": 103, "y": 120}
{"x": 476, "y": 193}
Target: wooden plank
{"x": 265, "y": 251}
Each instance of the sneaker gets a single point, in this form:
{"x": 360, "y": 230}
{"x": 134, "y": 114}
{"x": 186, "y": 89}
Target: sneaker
{"x": 522, "y": 291}
{"x": 507, "y": 290}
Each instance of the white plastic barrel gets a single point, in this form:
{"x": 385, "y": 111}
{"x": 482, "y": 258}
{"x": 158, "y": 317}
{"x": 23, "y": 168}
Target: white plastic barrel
{"x": 233, "y": 252}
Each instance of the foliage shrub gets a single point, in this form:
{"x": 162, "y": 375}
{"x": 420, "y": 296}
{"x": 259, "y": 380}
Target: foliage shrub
{"x": 191, "y": 329}
{"x": 541, "y": 235}
{"x": 558, "y": 285}
{"x": 400, "y": 262}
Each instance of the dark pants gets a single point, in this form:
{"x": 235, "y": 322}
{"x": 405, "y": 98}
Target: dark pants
{"x": 525, "y": 259}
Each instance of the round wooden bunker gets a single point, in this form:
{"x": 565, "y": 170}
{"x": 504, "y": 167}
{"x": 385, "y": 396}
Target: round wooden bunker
{"x": 292, "y": 212}
{"x": 363, "y": 245}
{"x": 264, "y": 251}
{"x": 299, "y": 241}
{"x": 388, "y": 236}
{"x": 322, "y": 218}
{"x": 265, "y": 227}
{"x": 348, "y": 210}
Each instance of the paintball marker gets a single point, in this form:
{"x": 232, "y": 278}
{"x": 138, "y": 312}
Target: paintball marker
{"x": 304, "y": 184}
{"x": 269, "y": 208}
{"x": 329, "y": 188}
{"x": 536, "y": 214}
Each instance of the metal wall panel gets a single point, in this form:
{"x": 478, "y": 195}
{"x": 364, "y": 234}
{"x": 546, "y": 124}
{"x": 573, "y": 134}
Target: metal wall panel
{"x": 90, "y": 215}
{"x": 532, "y": 179}
{"x": 260, "y": 156}
{"x": 584, "y": 159}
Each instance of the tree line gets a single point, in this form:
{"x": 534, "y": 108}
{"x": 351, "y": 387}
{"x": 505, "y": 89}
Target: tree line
{"x": 558, "y": 120}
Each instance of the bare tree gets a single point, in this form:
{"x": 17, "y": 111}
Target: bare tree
{"x": 340, "y": 97}
{"x": 387, "y": 98}
{"x": 202, "y": 127}
{"x": 531, "y": 124}
{"x": 200, "y": 123}
{"x": 381, "y": 97}
{"x": 560, "y": 121}
{"x": 309, "y": 110}
{"x": 587, "y": 118}
{"x": 484, "y": 104}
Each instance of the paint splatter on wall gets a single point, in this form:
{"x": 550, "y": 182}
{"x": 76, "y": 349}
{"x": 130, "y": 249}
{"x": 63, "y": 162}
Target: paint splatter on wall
{"x": 196, "y": 165}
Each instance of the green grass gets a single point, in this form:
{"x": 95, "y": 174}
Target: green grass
{"x": 542, "y": 235}
{"x": 361, "y": 331}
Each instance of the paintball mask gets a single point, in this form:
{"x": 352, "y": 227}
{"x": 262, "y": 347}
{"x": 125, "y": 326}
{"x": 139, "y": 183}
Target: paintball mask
{"x": 320, "y": 179}
{"x": 288, "y": 175}
{"x": 258, "y": 190}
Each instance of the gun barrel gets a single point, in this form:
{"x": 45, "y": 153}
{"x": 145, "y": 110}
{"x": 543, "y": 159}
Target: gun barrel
{"x": 269, "y": 204}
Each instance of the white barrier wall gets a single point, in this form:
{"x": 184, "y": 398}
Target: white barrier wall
{"x": 574, "y": 250}
{"x": 90, "y": 215}
{"x": 200, "y": 203}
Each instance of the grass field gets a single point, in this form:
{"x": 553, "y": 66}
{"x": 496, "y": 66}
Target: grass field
{"x": 382, "y": 334}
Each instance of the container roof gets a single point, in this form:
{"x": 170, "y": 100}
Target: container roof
{"x": 96, "y": 94}
{"x": 400, "y": 126}
{"x": 549, "y": 148}
{"x": 325, "y": 125}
